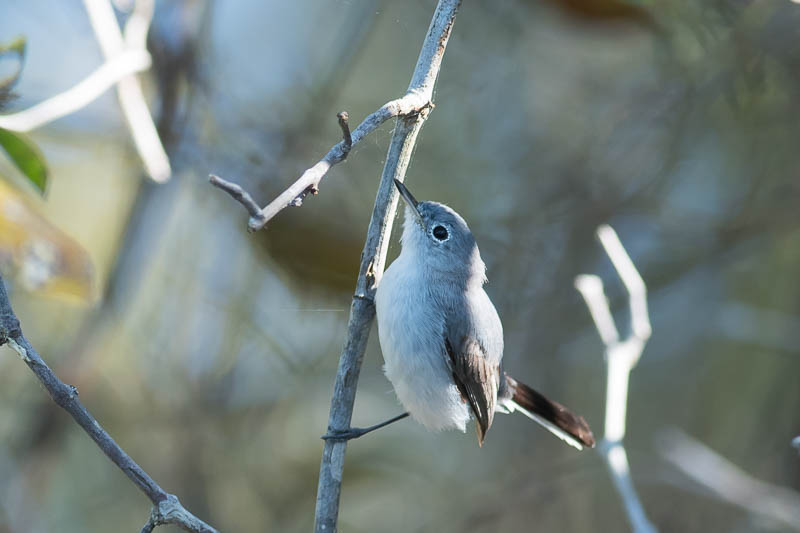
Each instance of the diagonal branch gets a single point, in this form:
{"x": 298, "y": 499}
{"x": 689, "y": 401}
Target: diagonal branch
{"x": 621, "y": 357}
{"x": 166, "y": 507}
{"x": 412, "y": 103}
{"x": 727, "y": 481}
{"x": 373, "y": 259}
{"x": 84, "y": 92}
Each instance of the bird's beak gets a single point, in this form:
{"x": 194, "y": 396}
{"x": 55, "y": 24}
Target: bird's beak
{"x": 409, "y": 199}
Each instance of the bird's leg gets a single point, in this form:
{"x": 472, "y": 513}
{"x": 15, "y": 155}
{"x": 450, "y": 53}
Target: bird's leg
{"x": 354, "y": 433}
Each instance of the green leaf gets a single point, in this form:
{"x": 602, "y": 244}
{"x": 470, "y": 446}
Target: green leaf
{"x": 26, "y": 156}
{"x": 17, "y": 48}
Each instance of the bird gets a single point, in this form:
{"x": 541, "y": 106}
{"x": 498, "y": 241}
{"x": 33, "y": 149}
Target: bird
{"x": 442, "y": 338}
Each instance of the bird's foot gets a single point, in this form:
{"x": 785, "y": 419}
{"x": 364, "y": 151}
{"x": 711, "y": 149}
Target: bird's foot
{"x": 354, "y": 433}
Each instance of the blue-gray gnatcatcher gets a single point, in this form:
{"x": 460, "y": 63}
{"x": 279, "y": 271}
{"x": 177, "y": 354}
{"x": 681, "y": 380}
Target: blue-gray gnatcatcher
{"x": 441, "y": 337}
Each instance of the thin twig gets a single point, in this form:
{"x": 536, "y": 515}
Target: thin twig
{"x": 621, "y": 357}
{"x": 129, "y": 90}
{"x": 373, "y": 259}
{"x": 87, "y": 90}
{"x": 727, "y": 481}
{"x": 308, "y": 182}
{"x": 166, "y": 507}
{"x": 238, "y": 194}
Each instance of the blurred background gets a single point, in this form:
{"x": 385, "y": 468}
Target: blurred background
{"x": 209, "y": 353}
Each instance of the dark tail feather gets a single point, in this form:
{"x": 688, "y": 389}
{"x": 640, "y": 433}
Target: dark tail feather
{"x": 564, "y": 424}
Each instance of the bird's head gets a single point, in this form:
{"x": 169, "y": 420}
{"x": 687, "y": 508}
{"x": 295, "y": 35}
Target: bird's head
{"x": 439, "y": 238}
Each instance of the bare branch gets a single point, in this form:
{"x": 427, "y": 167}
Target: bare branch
{"x": 727, "y": 481}
{"x": 308, "y": 182}
{"x": 166, "y": 506}
{"x": 241, "y": 196}
{"x": 129, "y": 90}
{"x": 621, "y": 357}
{"x": 373, "y": 258}
{"x": 87, "y": 90}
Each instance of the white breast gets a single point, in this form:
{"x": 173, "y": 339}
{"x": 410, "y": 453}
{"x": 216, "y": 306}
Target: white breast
{"x": 411, "y": 327}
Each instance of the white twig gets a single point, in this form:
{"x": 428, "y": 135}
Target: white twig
{"x": 727, "y": 481}
{"x": 129, "y": 90}
{"x": 69, "y": 101}
{"x": 640, "y": 319}
{"x": 621, "y": 357}
{"x": 591, "y": 287}
{"x": 373, "y": 258}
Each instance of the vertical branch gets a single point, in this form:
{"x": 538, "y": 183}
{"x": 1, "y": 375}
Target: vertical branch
{"x": 621, "y": 357}
{"x": 373, "y": 259}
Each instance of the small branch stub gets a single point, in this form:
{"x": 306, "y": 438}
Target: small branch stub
{"x": 348, "y": 139}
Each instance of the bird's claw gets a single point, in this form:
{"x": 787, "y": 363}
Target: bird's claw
{"x": 349, "y": 434}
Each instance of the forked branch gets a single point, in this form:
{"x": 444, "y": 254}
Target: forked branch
{"x": 621, "y": 357}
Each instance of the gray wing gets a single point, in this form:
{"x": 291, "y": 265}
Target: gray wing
{"x": 474, "y": 344}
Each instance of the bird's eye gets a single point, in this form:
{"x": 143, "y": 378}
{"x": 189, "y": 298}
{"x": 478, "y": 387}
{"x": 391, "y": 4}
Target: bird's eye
{"x": 440, "y": 232}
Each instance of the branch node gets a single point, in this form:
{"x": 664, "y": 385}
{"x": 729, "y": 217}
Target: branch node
{"x": 64, "y": 396}
{"x": 21, "y": 351}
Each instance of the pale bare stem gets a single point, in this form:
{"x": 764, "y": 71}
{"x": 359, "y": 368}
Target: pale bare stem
{"x": 617, "y": 462}
{"x": 727, "y": 481}
{"x": 138, "y": 24}
{"x": 79, "y": 96}
{"x": 412, "y": 103}
{"x": 166, "y": 507}
{"x": 621, "y": 357}
{"x": 373, "y": 259}
{"x": 129, "y": 90}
